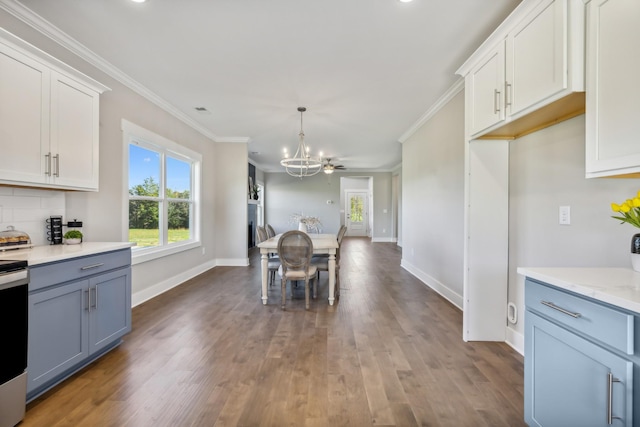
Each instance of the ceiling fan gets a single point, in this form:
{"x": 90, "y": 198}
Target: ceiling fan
{"x": 329, "y": 167}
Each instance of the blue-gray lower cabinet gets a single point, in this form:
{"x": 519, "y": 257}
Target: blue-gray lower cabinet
{"x": 74, "y": 322}
{"x": 572, "y": 378}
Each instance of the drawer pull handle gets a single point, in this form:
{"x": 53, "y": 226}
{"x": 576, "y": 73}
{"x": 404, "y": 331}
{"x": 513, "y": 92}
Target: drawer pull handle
{"x": 561, "y": 310}
{"x": 610, "y": 381}
{"x": 89, "y": 267}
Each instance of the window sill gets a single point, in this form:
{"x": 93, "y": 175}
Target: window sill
{"x": 142, "y": 255}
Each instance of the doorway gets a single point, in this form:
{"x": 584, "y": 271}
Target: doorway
{"x": 356, "y": 213}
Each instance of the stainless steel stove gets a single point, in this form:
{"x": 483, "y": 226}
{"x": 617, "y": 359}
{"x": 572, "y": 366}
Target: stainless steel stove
{"x": 14, "y": 283}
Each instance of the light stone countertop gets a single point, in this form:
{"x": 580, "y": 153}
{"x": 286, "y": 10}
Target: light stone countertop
{"x": 50, "y": 253}
{"x": 616, "y": 286}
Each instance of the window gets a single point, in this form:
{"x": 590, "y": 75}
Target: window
{"x": 163, "y": 193}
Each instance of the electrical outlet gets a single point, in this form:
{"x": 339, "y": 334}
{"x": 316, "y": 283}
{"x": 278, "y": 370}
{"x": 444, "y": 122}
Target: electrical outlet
{"x": 384, "y": 230}
{"x": 204, "y": 250}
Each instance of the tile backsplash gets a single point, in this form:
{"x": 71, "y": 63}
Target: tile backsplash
{"x": 27, "y": 209}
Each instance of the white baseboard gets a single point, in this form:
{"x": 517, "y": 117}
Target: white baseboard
{"x": 515, "y": 340}
{"x": 232, "y": 262}
{"x": 453, "y": 297}
{"x": 383, "y": 240}
{"x": 170, "y": 283}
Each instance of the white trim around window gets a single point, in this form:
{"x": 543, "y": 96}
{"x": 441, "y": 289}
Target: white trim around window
{"x": 134, "y": 134}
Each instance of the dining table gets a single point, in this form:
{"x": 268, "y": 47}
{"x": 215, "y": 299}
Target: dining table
{"x": 322, "y": 244}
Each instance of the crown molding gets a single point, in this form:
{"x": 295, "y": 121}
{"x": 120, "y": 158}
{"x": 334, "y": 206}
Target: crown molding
{"x": 234, "y": 139}
{"x": 437, "y": 106}
{"x": 499, "y": 34}
{"x": 46, "y": 28}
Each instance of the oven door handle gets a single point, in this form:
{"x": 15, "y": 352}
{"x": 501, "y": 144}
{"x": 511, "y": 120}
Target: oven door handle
{"x": 15, "y": 278}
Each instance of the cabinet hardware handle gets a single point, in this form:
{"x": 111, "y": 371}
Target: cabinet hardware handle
{"x": 56, "y": 162}
{"x": 507, "y": 94}
{"x": 89, "y": 267}
{"x": 561, "y": 310}
{"x": 47, "y": 164}
{"x": 610, "y": 381}
{"x": 88, "y": 292}
{"x": 496, "y": 101}
{"x": 95, "y": 298}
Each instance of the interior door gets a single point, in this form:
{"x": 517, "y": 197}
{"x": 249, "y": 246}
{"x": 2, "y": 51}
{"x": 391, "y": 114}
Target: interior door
{"x": 356, "y": 213}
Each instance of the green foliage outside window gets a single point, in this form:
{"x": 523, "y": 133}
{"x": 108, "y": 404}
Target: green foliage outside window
{"x": 357, "y": 208}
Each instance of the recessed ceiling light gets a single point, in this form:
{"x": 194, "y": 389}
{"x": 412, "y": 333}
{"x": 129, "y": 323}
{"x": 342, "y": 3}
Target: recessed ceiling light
{"x": 401, "y": 1}
{"x": 138, "y": 1}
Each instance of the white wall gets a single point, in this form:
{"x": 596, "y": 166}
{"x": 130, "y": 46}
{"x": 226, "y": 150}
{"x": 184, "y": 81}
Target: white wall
{"x": 286, "y": 195}
{"x": 433, "y": 201}
{"x": 230, "y": 205}
{"x": 547, "y": 171}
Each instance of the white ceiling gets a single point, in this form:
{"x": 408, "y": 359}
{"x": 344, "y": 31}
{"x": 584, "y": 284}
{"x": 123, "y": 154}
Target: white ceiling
{"x": 366, "y": 70}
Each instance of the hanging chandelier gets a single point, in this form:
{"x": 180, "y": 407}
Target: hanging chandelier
{"x": 301, "y": 164}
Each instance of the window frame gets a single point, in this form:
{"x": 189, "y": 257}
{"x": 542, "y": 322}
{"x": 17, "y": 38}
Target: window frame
{"x": 134, "y": 134}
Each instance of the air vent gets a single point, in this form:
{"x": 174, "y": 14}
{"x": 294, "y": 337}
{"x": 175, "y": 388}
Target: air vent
{"x": 202, "y": 110}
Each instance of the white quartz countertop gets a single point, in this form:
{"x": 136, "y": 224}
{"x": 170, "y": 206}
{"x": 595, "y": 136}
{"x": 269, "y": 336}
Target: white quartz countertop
{"x": 50, "y": 253}
{"x": 616, "y": 286}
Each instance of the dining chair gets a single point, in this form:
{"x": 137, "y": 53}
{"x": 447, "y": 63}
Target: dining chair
{"x": 273, "y": 261}
{"x": 295, "y": 250}
{"x": 322, "y": 263}
{"x": 270, "y": 231}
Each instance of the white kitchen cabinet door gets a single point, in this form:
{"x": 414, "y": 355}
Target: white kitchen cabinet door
{"x": 74, "y": 134}
{"x": 484, "y": 91}
{"x": 536, "y": 60}
{"x": 613, "y": 88}
{"x": 24, "y": 117}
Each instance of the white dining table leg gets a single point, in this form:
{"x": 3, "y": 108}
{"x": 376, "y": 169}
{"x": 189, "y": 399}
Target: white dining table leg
{"x": 332, "y": 278}
{"x": 265, "y": 272}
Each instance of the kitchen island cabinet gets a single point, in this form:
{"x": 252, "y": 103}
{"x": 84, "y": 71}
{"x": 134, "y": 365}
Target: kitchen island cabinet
{"x": 581, "y": 362}
{"x": 79, "y": 308}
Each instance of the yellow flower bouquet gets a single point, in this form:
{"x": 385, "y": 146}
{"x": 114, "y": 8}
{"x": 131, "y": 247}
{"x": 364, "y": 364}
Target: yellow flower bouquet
{"x": 630, "y": 211}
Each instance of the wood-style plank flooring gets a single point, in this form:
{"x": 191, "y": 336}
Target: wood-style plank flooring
{"x": 208, "y": 353}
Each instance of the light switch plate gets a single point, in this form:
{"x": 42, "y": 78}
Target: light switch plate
{"x": 565, "y": 215}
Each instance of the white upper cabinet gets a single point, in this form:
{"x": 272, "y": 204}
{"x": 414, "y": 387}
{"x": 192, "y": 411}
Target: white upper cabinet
{"x": 484, "y": 86}
{"x": 74, "y": 133}
{"x": 613, "y": 88}
{"x": 537, "y": 59}
{"x": 49, "y": 120}
{"x": 24, "y": 121}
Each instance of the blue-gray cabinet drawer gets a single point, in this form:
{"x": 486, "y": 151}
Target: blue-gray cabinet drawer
{"x": 606, "y": 324}
{"x": 45, "y": 275}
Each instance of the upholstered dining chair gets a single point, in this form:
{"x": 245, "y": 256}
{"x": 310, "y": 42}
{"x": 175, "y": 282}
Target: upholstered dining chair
{"x": 322, "y": 263}
{"x": 295, "y": 250}
{"x": 273, "y": 262}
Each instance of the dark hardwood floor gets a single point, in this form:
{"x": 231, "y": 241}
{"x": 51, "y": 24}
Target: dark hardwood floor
{"x": 208, "y": 353}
